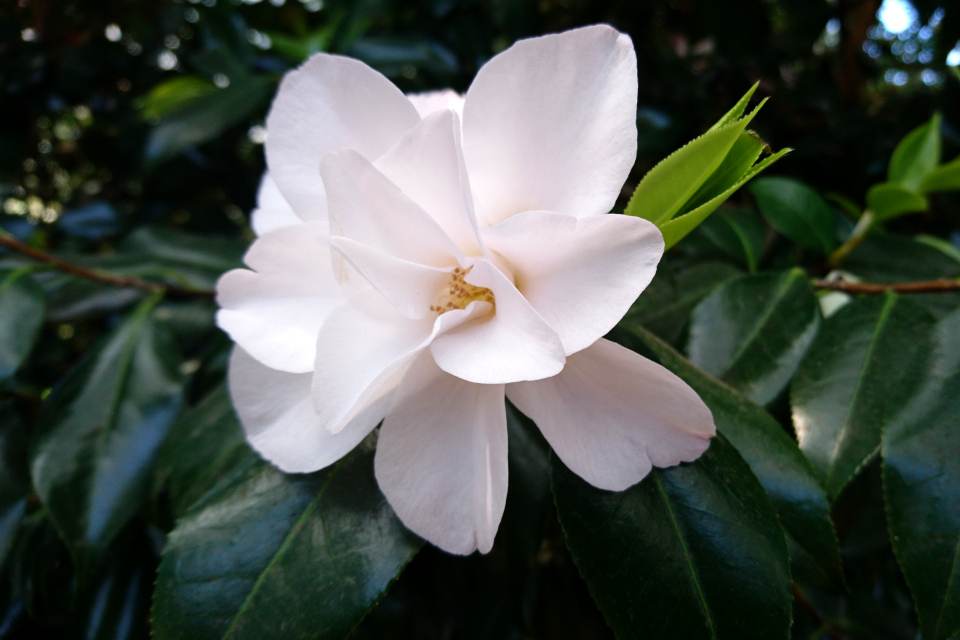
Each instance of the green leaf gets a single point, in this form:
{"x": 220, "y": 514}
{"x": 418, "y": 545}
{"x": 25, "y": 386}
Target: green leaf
{"x": 205, "y": 444}
{"x": 944, "y": 178}
{"x": 921, "y": 481}
{"x": 743, "y": 154}
{"x": 693, "y": 551}
{"x": 740, "y": 233}
{"x": 753, "y": 331}
{"x": 865, "y": 353}
{"x": 669, "y": 185}
{"x": 665, "y": 305}
{"x": 99, "y": 433}
{"x": 14, "y": 478}
{"x": 676, "y": 229}
{"x": 207, "y": 116}
{"x": 199, "y": 260}
{"x": 796, "y": 211}
{"x": 941, "y": 245}
{"x": 22, "y": 307}
{"x": 917, "y": 155}
{"x": 737, "y": 111}
{"x": 773, "y": 455}
{"x": 308, "y": 554}
{"x": 173, "y": 94}
{"x": 889, "y": 200}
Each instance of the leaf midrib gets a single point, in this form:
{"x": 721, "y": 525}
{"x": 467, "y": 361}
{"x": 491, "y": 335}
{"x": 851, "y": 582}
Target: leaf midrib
{"x": 686, "y": 554}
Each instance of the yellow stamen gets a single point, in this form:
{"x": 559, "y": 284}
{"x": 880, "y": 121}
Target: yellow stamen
{"x": 460, "y": 293}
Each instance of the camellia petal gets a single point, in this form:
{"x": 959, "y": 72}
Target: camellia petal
{"x": 441, "y": 458}
{"x": 514, "y": 343}
{"x": 276, "y": 411}
{"x": 275, "y": 311}
{"x": 431, "y": 101}
{"x": 367, "y": 208}
{"x": 427, "y": 165}
{"x": 612, "y": 413}
{"x": 550, "y": 124}
{"x": 330, "y": 103}
{"x": 580, "y": 275}
{"x": 273, "y": 211}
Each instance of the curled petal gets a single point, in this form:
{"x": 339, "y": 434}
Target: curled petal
{"x": 276, "y": 310}
{"x": 276, "y": 411}
{"x": 329, "y": 103}
{"x": 273, "y": 211}
{"x": 441, "y": 458}
{"x": 612, "y": 414}
{"x": 550, "y": 124}
{"x": 580, "y": 275}
{"x": 514, "y": 343}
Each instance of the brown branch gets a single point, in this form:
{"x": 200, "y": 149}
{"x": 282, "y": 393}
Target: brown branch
{"x": 126, "y": 282}
{"x": 818, "y": 620}
{"x": 926, "y": 286}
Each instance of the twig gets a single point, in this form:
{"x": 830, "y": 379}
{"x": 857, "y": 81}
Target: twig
{"x": 925, "y": 286}
{"x": 863, "y": 226}
{"x": 126, "y": 282}
{"x": 818, "y": 619}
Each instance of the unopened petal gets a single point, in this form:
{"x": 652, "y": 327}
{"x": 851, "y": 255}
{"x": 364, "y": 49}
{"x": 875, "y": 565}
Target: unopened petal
{"x": 612, "y": 414}
{"x": 580, "y": 275}
{"x": 276, "y": 411}
{"x": 441, "y": 458}
{"x": 276, "y": 310}
{"x": 273, "y": 211}
{"x": 432, "y": 101}
{"x": 365, "y": 206}
{"x": 329, "y": 103}
{"x": 514, "y": 343}
{"x": 550, "y": 124}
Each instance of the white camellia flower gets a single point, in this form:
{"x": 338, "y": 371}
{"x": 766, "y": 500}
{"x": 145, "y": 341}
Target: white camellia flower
{"x": 416, "y": 267}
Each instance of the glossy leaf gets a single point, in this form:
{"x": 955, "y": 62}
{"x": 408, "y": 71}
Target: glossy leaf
{"x": 752, "y": 332}
{"x": 676, "y": 229}
{"x": 99, "y": 433}
{"x": 944, "y": 178}
{"x": 693, "y": 551}
{"x": 740, "y": 233}
{"x": 889, "y": 200}
{"x": 917, "y": 155}
{"x": 665, "y": 305}
{"x": 205, "y": 444}
{"x": 864, "y": 355}
{"x": 772, "y": 454}
{"x": 308, "y": 554}
{"x": 921, "y": 481}
{"x": 669, "y": 185}
{"x": 796, "y": 211}
{"x": 22, "y": 307}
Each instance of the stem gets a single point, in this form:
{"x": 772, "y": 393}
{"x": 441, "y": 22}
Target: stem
{"x": 101, "y": 277}
{"x": 864, "y": 224}
{"x": 925, "y": 286}
{"x": 824, "y": 625}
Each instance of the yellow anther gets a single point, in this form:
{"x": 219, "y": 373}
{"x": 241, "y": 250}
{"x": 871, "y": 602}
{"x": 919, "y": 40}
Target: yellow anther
{"x": 460, "y": 293}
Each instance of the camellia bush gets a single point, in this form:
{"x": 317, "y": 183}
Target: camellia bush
{"x": 481, "y": 320}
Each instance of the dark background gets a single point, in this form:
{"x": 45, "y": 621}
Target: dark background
{"x": 116, "y": 115}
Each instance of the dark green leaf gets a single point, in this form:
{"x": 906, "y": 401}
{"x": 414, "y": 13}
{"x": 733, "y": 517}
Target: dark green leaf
{"x": 207, "y": 116}
{"x": 796, "y": 211}
{"x": 917, "y": 155}
{"x": 305, "y": 554}
{"x": 204, "y": 445}
{"x": 14, "y": 477}
{"x": 665, "y": 305}
{"x": 753, "y": 331}
{"x": 100, "y": 431}
{"x": 864, "y": 353}
{"x": 740, "y": 233}
{"x": 693, "y": 551}
{"x": 198, "y": 259}
{"x": 889, "y": 200}
{"x": 921, "y": 481}
{"x": 773, "y": 456}
{"x": 171, "y": 95}
{"x": 22, "y": 307}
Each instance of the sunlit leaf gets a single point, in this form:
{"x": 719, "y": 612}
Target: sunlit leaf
{"x": 889, "y": 200}
{"x": 917, "y": 155}
{"x": 737, "y": 111}
{"x": 173, "y": 94}
{"x": 943, "y": 178}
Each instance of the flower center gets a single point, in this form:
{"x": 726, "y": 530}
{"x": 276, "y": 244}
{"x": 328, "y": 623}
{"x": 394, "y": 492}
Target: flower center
{"x": 458, "y": 294}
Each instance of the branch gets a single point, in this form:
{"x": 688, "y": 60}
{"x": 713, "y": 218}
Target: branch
{"x": 101, "y": 277}
{"x": 926, "y": 286}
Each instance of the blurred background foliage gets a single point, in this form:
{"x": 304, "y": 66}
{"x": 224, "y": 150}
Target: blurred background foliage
{"x": 131, "y": 141}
